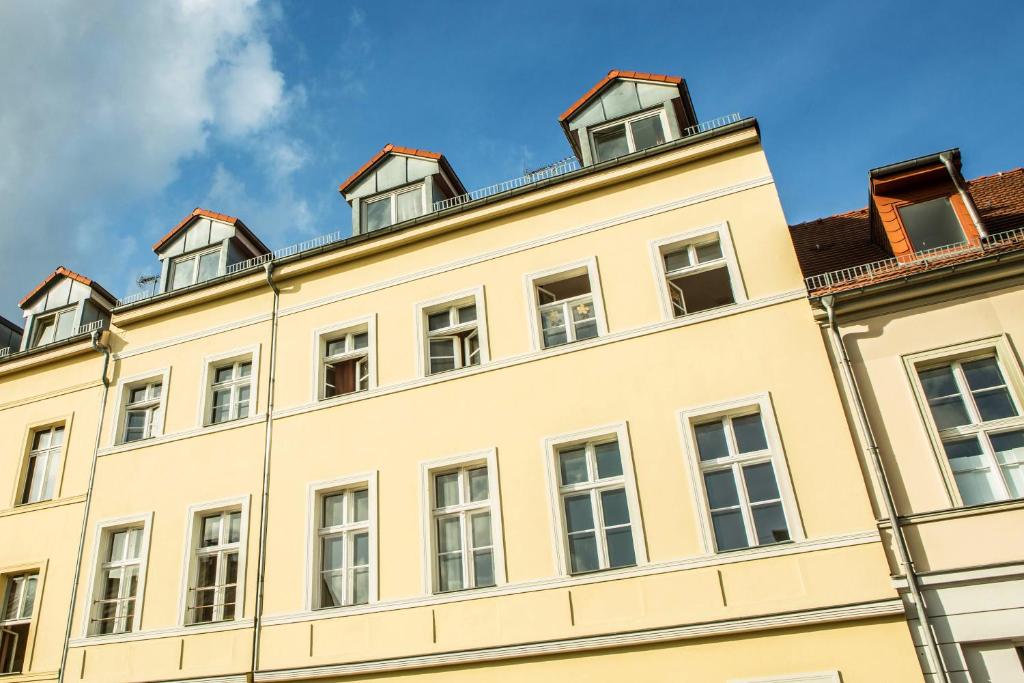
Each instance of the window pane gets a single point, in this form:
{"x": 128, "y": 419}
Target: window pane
{"x": 467, "y": 314}
{"x": 57, "y": 437}
{"x": 137, "y": 395}
{"x": 553, "y": 326}
{"x": 410, "y": 204}
{"x": 620, "y": 547}
{"x": 234, "y": 527}
{"x": 334, "y": 510}
{"x": 578, "y": 513}
{"x": 336, "y": 347}
{"x": 361, "y": 550}
{"x": 614, "y": 507}
{"x": 938, "y": 382}
{"x": 704, "y": 290}
{"x": 361, "y": 505}
{"x": 211, "y": 531}
{"x": 450, "y": 572}
{"x": 360, "y": 340}
{"x": 117, "y": 545}
{"x": 994, "y": 404}
{"x": 677, "y": 259}
{"x": 610, "y": 143}
{"x": 729, "y": 532}
{"x": 647, "y": 132}
{"x": 483, "y": 568}
{"x": 983, "y": 373}
{"x": 182, "y": 272}
{"x": 449, "y": 536}
{"x": 446, "y": 488}
{"x": 770, "y": 524}
{"x": 1009, "y": 448}
{"x": 573, "y": 466}
{"x": 711, "y": 440}
{"x": 442, "y": 354}
{"x": 361, "y": 587}
{"x": 973, "y": 477}
{"x": 154, "y": 390}
{"x": 206, "y": 574}
{"x": 472, "y": 349}
{"x": 439, "y": 321}
{"x": 334, "y": 552}
{"x": 609, "y": 462}
{"x": 65, "y": 325}
{"x": 245, "y": 369}
{"x": 377, "y": 214}
{"x": 760, "y": 481}
{"x": 721, "y": 488}
{"x": 583, "y": 316}
{"x": 709, "y": 252}
{"x": 478, "y": 485}
{"x": 481, "y": 524}
{"x": 331, "y": 590}
{"x": 135, "y": 427}
{"x": 949, "y": 412}
{"x": 931, "y": 224}
{"x": 749, "y": 433}
{"x": 29, "y": 600}
{"x": 583, "y": 553}
{"x": 223, "y": 374}
{"x": 209, "y": 265}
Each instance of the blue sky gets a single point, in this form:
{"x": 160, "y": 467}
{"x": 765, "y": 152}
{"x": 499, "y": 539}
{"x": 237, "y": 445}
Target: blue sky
{"x": 132, "y": 114}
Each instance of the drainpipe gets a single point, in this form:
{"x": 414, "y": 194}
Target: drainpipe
{"x": 968, "y": 202}
{"x": 105, "y": 350}
{"x": 902, "y": 549}
{"x": 262, "y": 561}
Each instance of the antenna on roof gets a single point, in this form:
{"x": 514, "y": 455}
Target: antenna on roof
{"x": 144, "y": 280}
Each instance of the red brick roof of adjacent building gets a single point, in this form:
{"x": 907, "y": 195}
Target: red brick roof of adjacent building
{"x": 206, "y": 213}
{"x": 61, "y": 270}
{"x": 844, "y": 240}
{"x": 408, "y": 151}
{"x": 612, "y": 75}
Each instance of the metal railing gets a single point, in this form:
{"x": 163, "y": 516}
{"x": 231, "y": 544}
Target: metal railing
{"x": 885, "y": 269}
{"x": 90, "y": 327}
{"x": 561, "y": 167}
{"x": 5, "y": 351}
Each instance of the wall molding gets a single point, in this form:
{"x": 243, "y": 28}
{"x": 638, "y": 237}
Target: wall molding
{"x": 51, "y": 394}
{"x": 185, "y": 434}
{"x": 42, "y": 505}
{"x": 192, "y": 336}
{"x": 150, "y": 634}
{"x": 881, "y": 608}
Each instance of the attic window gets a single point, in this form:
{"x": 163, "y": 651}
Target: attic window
{"x": 392, "y": 207}
{"x": 931, "y": 224}
{"x": 54, "y": 327}
{"x": 628, "y": 136}
{"x": 195, "y": 267}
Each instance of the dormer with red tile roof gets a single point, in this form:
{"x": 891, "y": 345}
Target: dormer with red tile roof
{"x": 398, "y": 184}
{"x": 64, "y": 305}
{"x": 202, "y": 246}
{"x": 626, "y": 112}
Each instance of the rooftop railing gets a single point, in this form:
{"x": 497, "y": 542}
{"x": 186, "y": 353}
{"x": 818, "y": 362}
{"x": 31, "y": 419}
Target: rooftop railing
{"x": 887, "y": 269}
{"x": 5, "y": 351}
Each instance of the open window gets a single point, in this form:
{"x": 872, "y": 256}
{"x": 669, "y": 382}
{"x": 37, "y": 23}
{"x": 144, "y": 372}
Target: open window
{"x": 346, "y": 354}
{"x": 567, "y": 305}
{"x": 698, "y": 272}
{"x": 454, "y": 333}
{"x": 343, "y": 551}
{"x": 931, "y": 224}
{"x": 629, "y": 135}
{"x": 19, "y": 591}
{"x": 216, "y": 572}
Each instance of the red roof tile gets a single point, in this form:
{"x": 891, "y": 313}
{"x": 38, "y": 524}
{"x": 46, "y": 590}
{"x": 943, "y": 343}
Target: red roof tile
{"x": 389, "y": 148}
{"x": 61, "y": 270}
{"x": 206, "y": 213}
{"x": 612, "y": 75}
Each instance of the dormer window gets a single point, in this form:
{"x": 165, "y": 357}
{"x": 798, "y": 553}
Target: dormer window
{"x": 62, "y": 306}
{"x": 931, "y": 224}
{"x": 54, "y": 327}
{"x": 392, "y": 207}
{"x": 631, "y": 135}
{"x": 193, "y": 268}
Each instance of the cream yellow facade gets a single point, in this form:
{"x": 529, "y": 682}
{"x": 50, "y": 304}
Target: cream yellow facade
{"x": 817, "y": 606}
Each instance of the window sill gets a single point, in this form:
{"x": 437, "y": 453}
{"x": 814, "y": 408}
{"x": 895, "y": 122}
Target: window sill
{"x": 177, "y": 436}
{"x": 174, "y": 631}
{"x": 41, "y": 505}
{"x": 959, "y": 512}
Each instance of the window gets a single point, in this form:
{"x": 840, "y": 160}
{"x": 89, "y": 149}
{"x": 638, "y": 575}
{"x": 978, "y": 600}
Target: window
{"x": 343, "y": 540}
{"x": 15, "y": 620}
{"x": 116, "y": 592}
{"x": 53, "y": 327}
{"x": 595, "y": 506}
{"x": 743, "y": 480}
{"x": 393, "y": 207}
{"x": 979, "y": 424}
{"x": 462, "y": 519}
{"x": 213, "y": 593}
{"x": 143, "y": 411}
{"x": 631, "y": 135}
{"x": 195, "y": 267}
{"x": 230, "y": 390}
{"x": 453, "y": 331}
{"x": 931, "y": 224}
{"x": 345, "y": 360}
{"x": 696, "y": 271}
{"x": 43, "y": 461}
{"x": 567, "y": 302}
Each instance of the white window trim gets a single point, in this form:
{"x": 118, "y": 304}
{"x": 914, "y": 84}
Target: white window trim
{"x": 203, "y": 409}
{"x": 488, "y": 456}
{"x": 314, "y": 492}
{"x": 533, "y": 308}
{"x": 817, "y": 677}
{"x": 418, "y": 186}
{"x": 421, "y": 310}
{"x": 657, "y": 247}
{"x": 103, "y": 527}
{"x": 194, "y": 254}
{"x": 120, "y": 409}
{"x": 658, "y": 110}
{"x": 13, "y": 571}
{"x": 560, "y": 544}
{"x": 689, "y": 416}
{"x": 30, "y": 430}
{"x": 998, "y": 346}
{"x": 320, "y": 347}
{"x": 193, "y": 518}
{"x": 33, "y": 327}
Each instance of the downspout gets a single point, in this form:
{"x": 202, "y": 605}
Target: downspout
{"x": 105, "y": 350}
{"x": 902, "y": 550}
{"x": 262, "y": 556}
{"x": 968, "y": 202}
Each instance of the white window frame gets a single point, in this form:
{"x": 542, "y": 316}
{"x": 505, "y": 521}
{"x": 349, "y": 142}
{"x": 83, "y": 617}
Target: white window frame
{"x": 420, "y": 187}
{"x": 428, "y": 470}
{"x": 8, "y": 574}
{"x": 998, "y": 347}
{"x": 560, "y": 541}
{"x": 539, "y": 278}
{"x": 455, "y": 300}
{"x": 124, "y": 387}
{"x": 626, "y": 122}
{"x": 54, "y": 466}
{"x": 193, "y": 531}
{"x": 322, "y": 335}
{"x": 315, "y": 493}
{"x": 197, "y": 254}
{"x": 250, "y": 354}
{"x": 104, "y": 529}
{"x": 664, "y": 245}
{"x": 775, "y": 454}
{"x": 35, "y": 342}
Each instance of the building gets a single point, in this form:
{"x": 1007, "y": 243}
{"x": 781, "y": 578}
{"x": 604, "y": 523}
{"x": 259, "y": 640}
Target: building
{"x": 578, "y": 425}
{"x": 921, "y": 297}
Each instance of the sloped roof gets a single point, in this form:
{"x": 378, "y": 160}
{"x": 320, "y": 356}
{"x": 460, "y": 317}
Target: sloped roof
{"x": 613, "y": 75}
{"x": 4, "y": 322}
{"x": 408, "y": 151}
{"x": 61, "y": 270}
{"x": 844, "y": 240}
{"x": 206, "y": 213}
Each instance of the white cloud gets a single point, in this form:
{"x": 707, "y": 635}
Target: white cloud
{"x": 102, "y": 103}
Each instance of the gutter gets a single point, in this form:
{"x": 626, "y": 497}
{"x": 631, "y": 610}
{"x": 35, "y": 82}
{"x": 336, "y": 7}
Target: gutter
{"x": 105, "y": 350}
{"x": 890, "y": 516}
{"x": 261, "y": 565}
{"x": 968, "y": 202}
